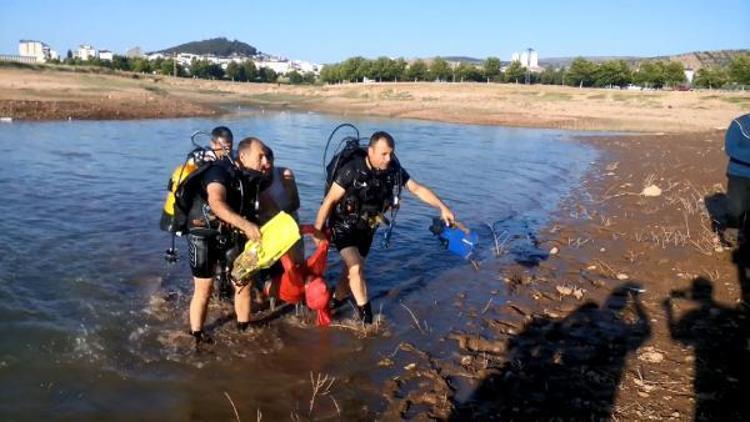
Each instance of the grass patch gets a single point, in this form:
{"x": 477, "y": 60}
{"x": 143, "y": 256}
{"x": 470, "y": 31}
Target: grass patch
{"x": 596, "y": 97}
{"x": 155, "y": 89}
{"x": 736, "y": 100}
{"x": 557, "y": 96}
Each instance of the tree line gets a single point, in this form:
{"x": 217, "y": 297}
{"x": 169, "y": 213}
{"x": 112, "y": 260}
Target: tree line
{"x": 581, "y": 72}
{"x": 202, "y": 69}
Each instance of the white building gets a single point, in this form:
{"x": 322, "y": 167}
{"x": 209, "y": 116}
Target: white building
{"x": 106, "y": 55}
{"x": 280, "y": 67}
{"x": 37, "y": 49}
{"x": 86, "y": 52}
{"x": 689, "y": 74}
{"x": 528, "y": 59}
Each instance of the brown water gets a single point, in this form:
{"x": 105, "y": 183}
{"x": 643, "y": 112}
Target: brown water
{"x": 92, "y": 320}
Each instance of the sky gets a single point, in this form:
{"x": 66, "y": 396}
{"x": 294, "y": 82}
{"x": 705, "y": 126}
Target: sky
{"x": 327, "y": 31}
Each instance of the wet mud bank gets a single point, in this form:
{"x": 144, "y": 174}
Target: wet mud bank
{"x": 633, "y": 314}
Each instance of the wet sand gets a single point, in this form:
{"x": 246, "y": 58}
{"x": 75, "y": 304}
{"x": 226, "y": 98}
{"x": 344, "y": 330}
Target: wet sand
{"x": 589, "y": 332}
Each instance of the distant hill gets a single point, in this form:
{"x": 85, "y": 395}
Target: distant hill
{"x": 694, "y": 60}
{"x": 221, "y": 47}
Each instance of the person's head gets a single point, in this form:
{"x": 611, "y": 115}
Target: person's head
{"x": 251, "y": 153}
{"x": 380, "y": 150}
{"x": 221, "y": 141}
{"x": 269, "y": 157}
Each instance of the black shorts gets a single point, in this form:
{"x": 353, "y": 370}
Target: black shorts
{"x": 208, "y": 248}
{"x": 345, "y": 236}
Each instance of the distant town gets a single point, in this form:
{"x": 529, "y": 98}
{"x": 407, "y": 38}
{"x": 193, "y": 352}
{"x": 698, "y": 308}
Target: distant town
{"x": 33, "y": 51}
{"x": 220, "y": 58}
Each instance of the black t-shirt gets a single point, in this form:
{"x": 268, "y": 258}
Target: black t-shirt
{"x": 243, "y": 186}
{"x": 373, "y": 188}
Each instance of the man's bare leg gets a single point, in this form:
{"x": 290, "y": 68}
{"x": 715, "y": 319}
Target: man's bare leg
{"x": 355, "y": 275}
{"x": 242, "y": 306}
{"x": 199, "y": 302}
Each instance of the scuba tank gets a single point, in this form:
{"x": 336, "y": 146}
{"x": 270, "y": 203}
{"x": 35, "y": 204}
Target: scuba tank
{"x": 173, "y": 219}
{"x": 179, "y": 175}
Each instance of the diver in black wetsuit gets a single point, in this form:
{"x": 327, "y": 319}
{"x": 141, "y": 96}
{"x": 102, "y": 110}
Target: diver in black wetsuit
{"x": 362, "y": 190}
{"x": 223, "y": 216}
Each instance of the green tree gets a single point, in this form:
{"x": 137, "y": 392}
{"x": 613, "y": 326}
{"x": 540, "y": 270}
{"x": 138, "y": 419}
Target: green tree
{"x": 440, "y": 70}
{"x": 266, "y": 74}
{"x": 167, "y": 68}
{"x": 417, "y": 71}
{"x": 467, "y": 73}
{"x": 674, "y": 73}
{"x": 580, "y": 73}
{"x": 398, "y": 69}
{"x": 551, "y": 76}
{"x": 711, "y": 77}
{"x": 491, "y": 68}
{"x": 120, "y": 62}
{"x": 613, "y": 73}
{"x": 295, "y": 78}
{"x": 331, "y": 73}
{"x": 308, "y": 78}
{"x": 350, "y": 69}
{"x": 515, "y": 72}
{"x": 141, "y": 65}
{"x": 739, "y": 69}
{"x": 236, "y": 72}
{"x": 250, "y": 71}
{"x": 69, "y": 56}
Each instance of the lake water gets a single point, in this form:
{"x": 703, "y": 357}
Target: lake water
{"x": 93, "y": 321}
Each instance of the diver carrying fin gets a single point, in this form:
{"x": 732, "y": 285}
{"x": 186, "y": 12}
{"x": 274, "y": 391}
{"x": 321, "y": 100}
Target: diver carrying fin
{"x": 362, "y": 184}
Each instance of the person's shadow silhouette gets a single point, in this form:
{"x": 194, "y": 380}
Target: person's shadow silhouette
{"x": 719, "y": 336}
{"x": 564, "y": 370}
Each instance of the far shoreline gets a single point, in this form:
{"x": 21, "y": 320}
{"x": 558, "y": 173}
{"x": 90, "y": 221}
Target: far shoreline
{"x": 48, "y": 95}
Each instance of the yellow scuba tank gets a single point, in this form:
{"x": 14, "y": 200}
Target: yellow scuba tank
{"x": 178, "y": 176}
{"x": 278, "y": 235}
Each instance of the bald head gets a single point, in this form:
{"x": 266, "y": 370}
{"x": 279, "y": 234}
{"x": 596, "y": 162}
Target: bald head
{"x": 252, "y": 154}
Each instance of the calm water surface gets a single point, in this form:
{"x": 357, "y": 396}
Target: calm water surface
{"x": 92, "y": 320}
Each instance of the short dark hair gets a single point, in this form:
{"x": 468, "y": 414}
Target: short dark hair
{"x": 269, "y": 152}
{"x": 382, "y": 135}
{"x": 248, "y": 142}
{"x": 222, "y": 132}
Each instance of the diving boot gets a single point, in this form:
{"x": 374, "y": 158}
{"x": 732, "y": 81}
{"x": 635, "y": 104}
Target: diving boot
{"x": 201, "y": 338}
{"x": 364, "y": 313}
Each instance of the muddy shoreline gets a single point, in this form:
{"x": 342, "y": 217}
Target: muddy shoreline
{"x": 609, "y": 326}
{"x": 51, "y": 94}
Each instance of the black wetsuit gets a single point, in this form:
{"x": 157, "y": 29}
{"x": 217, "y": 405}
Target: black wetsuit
{"x": 368, "y": 193}
{"x": 208, "y": 240}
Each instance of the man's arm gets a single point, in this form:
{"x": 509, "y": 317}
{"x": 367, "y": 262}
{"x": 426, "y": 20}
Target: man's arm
{"x": 217, "y": 200}
{"x": 334, "y": 195}
{"x": 429, "y": 197}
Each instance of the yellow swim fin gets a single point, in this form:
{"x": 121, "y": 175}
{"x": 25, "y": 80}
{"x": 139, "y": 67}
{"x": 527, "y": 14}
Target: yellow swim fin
{"x": 278, "y": 235}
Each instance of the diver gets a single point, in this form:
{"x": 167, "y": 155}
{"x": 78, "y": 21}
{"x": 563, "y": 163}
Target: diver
{"x": 362, "y": 190}
{"x": 224, "y": 214}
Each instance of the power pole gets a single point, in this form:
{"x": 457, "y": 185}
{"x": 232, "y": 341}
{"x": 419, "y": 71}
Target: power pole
{"x": 528, "y": 65}
{"x": 174, "y": 64}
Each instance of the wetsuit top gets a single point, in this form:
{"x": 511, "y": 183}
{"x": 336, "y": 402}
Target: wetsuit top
{"x": 737, "y": 146}
{"x": 243, "y": 190}
{"x": 368, "y": 192}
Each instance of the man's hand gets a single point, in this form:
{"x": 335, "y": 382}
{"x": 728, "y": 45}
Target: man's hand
{"x": 447, "y": 215}
{"x": 251, "y": 230}
{"x": 318, "y": 236}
